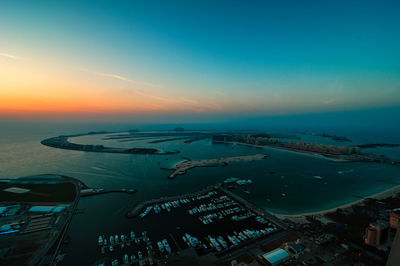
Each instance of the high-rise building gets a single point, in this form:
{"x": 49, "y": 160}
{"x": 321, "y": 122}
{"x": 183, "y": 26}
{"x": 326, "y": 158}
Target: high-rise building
{"x": 395, "y": 219}
{"x": 371, "y": 236}
{"x": 377, "y": 233}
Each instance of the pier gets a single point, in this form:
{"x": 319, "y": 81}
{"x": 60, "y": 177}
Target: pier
{"x": 97, "y": 191}
{"x": 254, "y": 208}
{"x": 140, "y": 206}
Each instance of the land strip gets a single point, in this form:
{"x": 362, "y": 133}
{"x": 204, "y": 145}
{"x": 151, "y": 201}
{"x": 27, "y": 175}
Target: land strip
{"x": 62, "y": 142}
{"x": 187, "y": 164}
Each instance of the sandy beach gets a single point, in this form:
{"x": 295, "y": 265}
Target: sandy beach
{"x": 381, "y": 195}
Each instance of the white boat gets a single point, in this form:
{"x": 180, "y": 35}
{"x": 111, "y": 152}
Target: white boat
{"x": 166, "y": 245}
{"x": 160, "y": 246}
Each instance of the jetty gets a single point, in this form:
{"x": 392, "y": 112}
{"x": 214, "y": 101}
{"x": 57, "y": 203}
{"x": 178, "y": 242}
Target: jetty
{"x": 140, "y": 206}
{"x": 96, "y": 191}
{"x": 187, "y": 164}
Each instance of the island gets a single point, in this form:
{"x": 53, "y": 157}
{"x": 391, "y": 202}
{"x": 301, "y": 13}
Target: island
{"x": 86, "y": 191}
{"x": 343, "y": 153}
{"x": 187, "y": 164}
{"x": 62, "y": 142}
{"x": 334, "y": 137}
{"x": 335, "y": 153}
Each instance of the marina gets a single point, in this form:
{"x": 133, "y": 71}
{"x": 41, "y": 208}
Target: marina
{"x": 211, "y": 222}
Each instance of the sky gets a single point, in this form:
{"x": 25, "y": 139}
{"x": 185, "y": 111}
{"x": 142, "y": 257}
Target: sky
{"x": 189, "y": 60}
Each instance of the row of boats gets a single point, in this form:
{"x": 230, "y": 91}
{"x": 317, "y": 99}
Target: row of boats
{"x": 218, "y": 216}
{"x": 140, "y": 258}
{"x": 127, "y": 260}
{"x": 238, "y": 181}
{"x": 164, "y": 206}
{"x": 164, "y": 247}
{"x": 220, "y": 204}
{"x": 211, "y": 207}
{"x": 122, "y": 240}
{"x": 217, "y": 203}
{"x": 218, "y": 243}
{"x": 242, "y": 216}
{"x": 169, "y": 205}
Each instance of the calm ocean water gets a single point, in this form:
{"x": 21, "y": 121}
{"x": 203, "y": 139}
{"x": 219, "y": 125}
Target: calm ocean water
{"x": 21, "y": 154}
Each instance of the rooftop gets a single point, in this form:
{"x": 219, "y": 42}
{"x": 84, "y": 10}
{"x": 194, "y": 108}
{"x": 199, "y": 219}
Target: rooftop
{"x": 276, "y": 255}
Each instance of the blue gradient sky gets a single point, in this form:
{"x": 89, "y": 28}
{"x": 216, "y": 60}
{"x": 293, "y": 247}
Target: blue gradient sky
{"x": 182, "y": 58}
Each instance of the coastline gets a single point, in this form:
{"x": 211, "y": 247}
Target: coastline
{"x": 311, "y": 154}
{"x": 62, "y": 142}
{"x": 380, "y": 195}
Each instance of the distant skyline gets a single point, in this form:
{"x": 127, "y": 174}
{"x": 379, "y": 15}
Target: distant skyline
{"x": 180, "y": 60}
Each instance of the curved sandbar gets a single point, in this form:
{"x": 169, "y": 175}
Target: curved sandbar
{"x": 62, "y": 142}
{"x": 182, "y": 167}
{"x": 300, "y": 217}
{"x": 97, "y": 191}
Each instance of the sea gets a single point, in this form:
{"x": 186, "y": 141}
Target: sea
{"x": 284, "y": 183}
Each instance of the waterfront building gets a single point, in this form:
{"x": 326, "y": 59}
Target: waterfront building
{"x": 377, "y": 233}
{"x": 370, "y": 236}
{"x": 394, "y": 219}
{"x": 276, "y": 257}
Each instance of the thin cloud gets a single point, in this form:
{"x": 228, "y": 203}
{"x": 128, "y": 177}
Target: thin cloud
{"x": 181, "y": 101}
{"x": 11, "y": 56}
{"x": 109, "y": 75}
{"x": 331, "y": 101}
{"x": 119, "y": 77}
{"x": 160, "y": 102}
{"x": 145, "y": 94}
{"x": 148, "y": 84}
